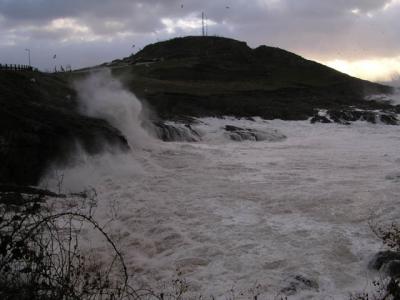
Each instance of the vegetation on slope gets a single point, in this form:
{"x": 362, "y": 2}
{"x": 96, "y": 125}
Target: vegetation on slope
{"x": 203, "y": 76}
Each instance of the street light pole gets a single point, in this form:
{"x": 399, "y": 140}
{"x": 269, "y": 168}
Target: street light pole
{"x": 29, "y": 56}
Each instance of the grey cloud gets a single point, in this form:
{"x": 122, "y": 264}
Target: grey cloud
{"x": 336, "y": 7}
{"x": 322, "y": 29}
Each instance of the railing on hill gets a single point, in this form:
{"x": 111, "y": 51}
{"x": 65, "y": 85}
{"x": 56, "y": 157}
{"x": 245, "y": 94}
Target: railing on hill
{"x": 15, "y": 67}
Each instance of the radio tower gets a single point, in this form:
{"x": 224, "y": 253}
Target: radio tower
{"x": 202, "y": 24}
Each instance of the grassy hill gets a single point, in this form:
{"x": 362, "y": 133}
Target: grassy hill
{"x": 203, "y": 76}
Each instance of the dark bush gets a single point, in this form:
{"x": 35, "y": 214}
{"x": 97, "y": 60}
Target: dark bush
{"x": 41, "y": 256}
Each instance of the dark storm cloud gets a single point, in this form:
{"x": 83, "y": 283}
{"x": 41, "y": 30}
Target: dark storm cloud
{"x": 143, "y": 16}
{"x": 322, "y": 29}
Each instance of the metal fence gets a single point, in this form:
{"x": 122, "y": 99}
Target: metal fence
{"x": 15, "y": 67}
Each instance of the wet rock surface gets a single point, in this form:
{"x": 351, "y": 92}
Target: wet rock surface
{"x": 246, "y": 134}
{"x": 347, "y": 116}
{"x": 299, "y": 283}
{"x": 320, "y": 119}
{"x": 393, "y": 268}
{"x": 176, "y": 133}
{"x": 384, "y": 259}
{"x": 40, "y": 125}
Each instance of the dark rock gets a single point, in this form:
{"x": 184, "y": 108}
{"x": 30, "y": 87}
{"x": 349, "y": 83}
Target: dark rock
{"x": 383, "y": 258}
{"x": 298, "y": 283}
{"x": 176, "y": 133}
{"x": 245, "y": 134}
{"x": 393, "y": 268}
{"x": 232, "y": 128}
{"x": 250, "y": 119}
{"x": 389, "y": 119}
{"x": 320, "y": 119}
{"x": 393, "y": 176}
{"x": 343, "y": 116}
{"x": 346, "y": 116}
{"x": 368, "y": 116}
{"x": 40, "y": 125}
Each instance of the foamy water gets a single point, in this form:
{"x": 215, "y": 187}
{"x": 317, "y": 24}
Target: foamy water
{"x": 237, "y": 219}
{"x": 227, "y": 215}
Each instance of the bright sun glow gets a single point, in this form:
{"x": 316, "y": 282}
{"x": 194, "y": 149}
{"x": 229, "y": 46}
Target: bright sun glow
{"x": 383, "y": 69}
{"x": 71, "y": 29}
{"x": 390, "y": 4}
{"x": 67, "y": 23}
{"x": 186, "y": 24}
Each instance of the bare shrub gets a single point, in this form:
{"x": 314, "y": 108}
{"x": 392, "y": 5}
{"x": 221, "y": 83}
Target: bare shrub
{"x": 41, "y": 253}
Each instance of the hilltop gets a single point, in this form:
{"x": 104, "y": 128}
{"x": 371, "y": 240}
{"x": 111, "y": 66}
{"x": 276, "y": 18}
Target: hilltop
{"x": 214, "y": 76}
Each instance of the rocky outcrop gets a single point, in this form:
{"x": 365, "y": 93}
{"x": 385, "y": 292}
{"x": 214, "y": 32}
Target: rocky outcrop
{"x": 388, "y": 262}
{"x": 320, "y": 119}
{"x": 346, "y": 116}
{"x": 40, "y": 125}
{"x": 299, "y": 283}
{"x": 246, "y": 134}
{"x": 175, "y": 132}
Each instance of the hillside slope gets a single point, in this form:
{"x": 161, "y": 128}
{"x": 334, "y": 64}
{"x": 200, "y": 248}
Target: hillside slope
{"x": 40, "y": 125}
{"x": 203, "y": 76}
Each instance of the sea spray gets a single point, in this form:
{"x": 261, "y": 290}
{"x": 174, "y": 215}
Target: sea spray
{"x": 103, "y": 96}
{"x": 86, "y": 171}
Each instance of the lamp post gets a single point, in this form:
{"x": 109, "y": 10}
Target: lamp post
{"x": 29, "y": 55}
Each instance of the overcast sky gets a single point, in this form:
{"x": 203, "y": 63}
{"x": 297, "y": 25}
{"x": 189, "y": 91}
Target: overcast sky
{"x": 360, "y": 37}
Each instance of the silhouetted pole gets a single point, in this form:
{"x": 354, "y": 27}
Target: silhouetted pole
{"x": 55, "y": 63}
{"x": 29, "y": 55}
{"x": 202, "y": 23}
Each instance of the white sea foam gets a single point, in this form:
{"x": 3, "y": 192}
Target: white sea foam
{"x": 242, "y": 214}
{"x": 393, "y": 98}
{"x": 250, "y": 216}
{"x": 103, "y": 96}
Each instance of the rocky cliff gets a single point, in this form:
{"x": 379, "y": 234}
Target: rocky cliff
{"x": 40, "y": 124}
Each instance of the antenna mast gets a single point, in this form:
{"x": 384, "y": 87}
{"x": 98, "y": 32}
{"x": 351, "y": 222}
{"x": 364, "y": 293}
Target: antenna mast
{"x": 202, "y": 24}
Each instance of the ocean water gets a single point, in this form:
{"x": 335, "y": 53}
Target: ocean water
{"x": 245, "y": 218}
{"x": 284, "y": 216}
